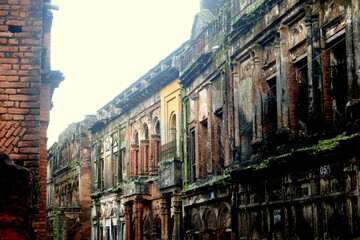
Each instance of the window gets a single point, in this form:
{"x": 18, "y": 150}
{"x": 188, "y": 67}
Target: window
{"x": 157, "y": 144}
{"x": 135, "y": 156}
{"x": 95, "y": 175}
{"x": 205, "y": 165}
{"x": 101, "y": 175}
{"x": 192, "y": 155}
{"x": 218, "y": 145}
{"x": 115, "y": 169}
{"x": 302, "y": 101}
{"x": 108, "y": 237}
{"x": 108, "y": 173}
{"x": 338, "y": 74}
{"x": 146, "y": 150}
{"x": 114, "y": 232}
{"x": 172, "y": 129}
{"x": 123, "y": 160}
{"x": 272, "y": 113}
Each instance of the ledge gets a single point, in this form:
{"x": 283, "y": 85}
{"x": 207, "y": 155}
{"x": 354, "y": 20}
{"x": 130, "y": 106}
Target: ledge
{"x": 323, "y": 149}
{"x": 205, "y": 184}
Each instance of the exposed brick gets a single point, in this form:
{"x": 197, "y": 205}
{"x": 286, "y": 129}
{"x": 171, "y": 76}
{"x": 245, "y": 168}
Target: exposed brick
{"x": 8, "y": 104}
{"x": 7, "y": 117}
{"x": 15, "y": 22}
{"x": 4, "y": 97}
{"x": 18, "y": 111}
{"x": 31, "y": 41}
{"x": 29, "y": 105}
{"x": 18, "y": 117}
{"x": 8, "y": 142}
{"x": 19, "y": 97}
{"x": 14, "y": 41}
{"x": 12, "y": 79}
{"x": 6, "y": 34}
{"x": 8, "y": 49}
{"x": 29, "y": 150}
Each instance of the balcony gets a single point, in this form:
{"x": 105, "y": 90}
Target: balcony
{"x": 170, "y": 167}
{"x": 210, "y": 38}
{"x": 134, "y": 187}
{"x": 168, "y": 151}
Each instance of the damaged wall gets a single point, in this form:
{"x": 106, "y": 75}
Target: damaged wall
{"x": 26, "y": 88}
{"x": 69, "y": 183}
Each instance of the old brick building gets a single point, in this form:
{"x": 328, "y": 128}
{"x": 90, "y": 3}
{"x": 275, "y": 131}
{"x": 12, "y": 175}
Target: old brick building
{"x": 26, "y": 86}
{"x": 69, "y": 183}
{"x": 128, "y": 199}
{"x": 250, "y": 130}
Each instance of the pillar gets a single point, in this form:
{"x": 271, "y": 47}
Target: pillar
{"x": 128, "y": 217}
{"x": 165, "y": 218}
{"x": 177, "y": 217}
{"x": 138, "y": 214}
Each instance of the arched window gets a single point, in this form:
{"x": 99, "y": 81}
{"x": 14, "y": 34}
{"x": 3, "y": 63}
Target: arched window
{"x": 172, "y": 129}
{"x": 145, "y": 151}
{"x": 135, "y": 155}
{"x": 157, "y": 128}
{"x": 155, "y": 150}
{"x": 136, "y": 137}
{"x": 146, "y": 131}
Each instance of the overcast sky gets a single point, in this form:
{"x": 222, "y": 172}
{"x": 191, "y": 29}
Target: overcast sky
{"x": 102, "y": 46}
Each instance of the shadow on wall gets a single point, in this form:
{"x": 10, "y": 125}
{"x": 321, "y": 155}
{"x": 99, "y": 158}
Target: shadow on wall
{"x": 17, "y": 200}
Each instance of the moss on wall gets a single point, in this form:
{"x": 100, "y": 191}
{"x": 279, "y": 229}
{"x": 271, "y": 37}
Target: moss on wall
{"x": 59, "y": 225}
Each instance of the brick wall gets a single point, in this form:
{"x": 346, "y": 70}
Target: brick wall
{"x": 26, "y": 84}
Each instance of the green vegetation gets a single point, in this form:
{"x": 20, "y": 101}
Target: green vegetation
{"x": 322, "y": 146}
{"x": 218, "y": 180}
{"x": 58, "y": 225}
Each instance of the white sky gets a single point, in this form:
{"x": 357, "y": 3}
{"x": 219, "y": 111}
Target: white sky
{"x": 102, "y": 46}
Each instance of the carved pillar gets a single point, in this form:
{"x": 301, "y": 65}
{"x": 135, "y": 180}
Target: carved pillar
{"x": 145, "y": 157}
{"x": 258, "y": 107}
{"x": 155, "y": 152}
{"x": 233, "y": 152}
{"x": 314, "y": 74}
{"x": 282, "y": 90}
{"x": 134, "y": 161}
{"x": 128, "y": 217}
{"x": 177, "y": 217}
{"x": 138, "y": 214}
{"x": 165, "y": 218}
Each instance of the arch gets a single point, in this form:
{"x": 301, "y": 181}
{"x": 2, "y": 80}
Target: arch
{"x": 107, "y": 143}
{"x": 147, "y": 227}
{"x": 156, "y": 126}
{"x": 157, "y": 227}
{"x": 209, "y": 219}
{"x": 224, "y": 216}
{"x": 135, "y": 161}
{"x": 172, "y": 127}
{"x": 136, "y": 137}
{"x": 145, "y": 130}
{"x": 195, "y": 220}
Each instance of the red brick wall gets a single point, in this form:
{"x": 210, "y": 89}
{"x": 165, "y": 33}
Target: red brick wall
{"x": 24, "y": 98}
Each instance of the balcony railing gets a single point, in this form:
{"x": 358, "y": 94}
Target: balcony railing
{"x": 168, "y": 150}
{"x": 210, "y": 37}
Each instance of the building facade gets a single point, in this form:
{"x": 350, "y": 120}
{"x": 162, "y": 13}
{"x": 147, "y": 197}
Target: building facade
{"x": 249, "y": 130}
{"x": 26, "y": 86}
{"x": 69, "y": 183}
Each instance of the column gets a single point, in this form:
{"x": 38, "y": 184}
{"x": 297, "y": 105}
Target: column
{"x": 138, "y": 214}
{"x": 176, "y": 207}
{"x": 165, "y": 217}
{"x": 128, "y": 217}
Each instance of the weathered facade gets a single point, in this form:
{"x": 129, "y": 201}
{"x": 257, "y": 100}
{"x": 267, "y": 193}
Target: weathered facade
{"x": 249, "y": 130}
{"x": 69, "y": 183}
{"x": 26, "y": 86}
{"x": 129, "y": 198}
